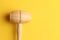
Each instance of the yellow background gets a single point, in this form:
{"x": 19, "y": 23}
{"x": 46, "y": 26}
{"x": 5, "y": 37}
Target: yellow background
{"x": 45, "y": 23}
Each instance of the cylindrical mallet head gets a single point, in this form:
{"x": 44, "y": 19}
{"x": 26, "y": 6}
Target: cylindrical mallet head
{"x": 19, "y": 16}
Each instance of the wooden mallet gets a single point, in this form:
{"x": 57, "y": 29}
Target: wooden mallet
{"x": 19, "y": 17}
